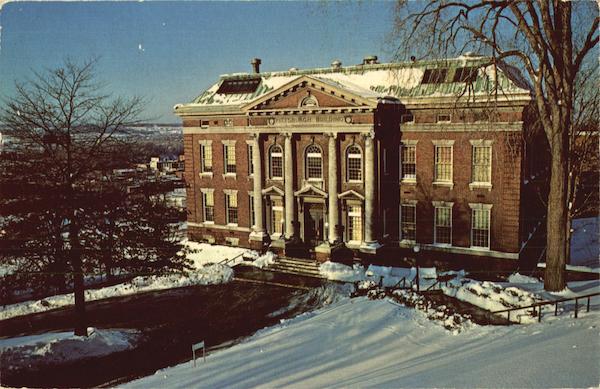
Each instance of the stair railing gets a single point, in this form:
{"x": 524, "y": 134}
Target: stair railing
{"x": 537, "y": 307}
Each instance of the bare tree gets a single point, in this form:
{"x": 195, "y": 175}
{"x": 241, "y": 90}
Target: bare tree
{"x": 549, "y": 40}
{"x": 67, "y": 133}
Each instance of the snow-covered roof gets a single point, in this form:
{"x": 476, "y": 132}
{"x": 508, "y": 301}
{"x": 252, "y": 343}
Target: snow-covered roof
{"x": 401, "y": 80}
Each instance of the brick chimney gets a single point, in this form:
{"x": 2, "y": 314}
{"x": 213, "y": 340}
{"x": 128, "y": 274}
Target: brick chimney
{"x": 255, "y": 65}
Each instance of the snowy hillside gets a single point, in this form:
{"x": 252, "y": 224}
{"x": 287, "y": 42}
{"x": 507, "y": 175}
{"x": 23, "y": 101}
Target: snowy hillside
{"x": 362, "y": 343}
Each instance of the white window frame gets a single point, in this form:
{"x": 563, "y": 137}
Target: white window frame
{"x": 355, "y": 156}
{"x": 478, "y": 207}
{"x": 308, "y": 155}
{"x": 228, "y": 195}
{"x": 349, "y": 229}
{"x": 205, "y": 192}
{"x": 413, "y": 204}
{"x": 403, "y": 145}
{"x": 276, "y": 224}
{"x": 251, "y": 218}
{"x": 481, "y": 143}
{"x": 277, "y": 154}
{"x": 204, "y": 146}
{"x": 229, "y": 150}
{"x": 250, "y": 152}
{"x": 439, "y": 144}
{"x": 442, "y": 205}
{"x": 438, "y": 119}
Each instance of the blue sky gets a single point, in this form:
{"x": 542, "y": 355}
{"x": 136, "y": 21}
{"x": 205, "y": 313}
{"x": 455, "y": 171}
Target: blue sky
{"x": 185, "y": 46}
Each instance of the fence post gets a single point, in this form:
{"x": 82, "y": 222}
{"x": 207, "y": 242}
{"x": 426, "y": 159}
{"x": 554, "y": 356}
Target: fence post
{"x": 508, "y": 316}
{"x": 540, "y": 314}
{"x": 588, "y": 304}
{"x": 576, "y": 307}
{"x": 556, "y": 308}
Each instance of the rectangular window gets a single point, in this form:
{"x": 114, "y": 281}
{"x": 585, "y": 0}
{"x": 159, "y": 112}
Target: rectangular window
{"x": 208, "y": 201}
{"x": 480, "y": 228}
{"x": 229, "y": 156}
{"x": 313, "y": 166}
{"x": 251, "y": 210}
{"x": 409, "y": 162}
{"x": 443, "y": 163}
{"x": 354, "y": 167}
{"x": 250, "y": 161}
{"x": 443, "y": 225}
{"x": 354, "y": 222}
{"x": 277, "y": 218}
{"x": 206, "y": 165}
{"x": 466, "y": 74}
{"x": 408, "y": 222}
{"x": 407, "y": 118}
{"x": 444, "y": 118}
{"x": 434, "y": 76}
{"x": 231, "y": 208}
{"x": 276, "y": 163}
{"x": 482, "y": 164}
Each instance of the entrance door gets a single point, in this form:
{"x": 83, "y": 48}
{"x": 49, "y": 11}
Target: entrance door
{"x": 313, "y": 223}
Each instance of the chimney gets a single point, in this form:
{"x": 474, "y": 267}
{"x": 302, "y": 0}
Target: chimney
{"x": 255, "y": 65}
{"x": 336, "y": 64}
{"x": 370, "y": 60}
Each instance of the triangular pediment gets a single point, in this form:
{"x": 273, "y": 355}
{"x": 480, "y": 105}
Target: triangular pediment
{"x": 307, "y": 94}
{"x": 310, "y": 191}
{"x": 351, "y": 194}
{"x": 273, "y": 191}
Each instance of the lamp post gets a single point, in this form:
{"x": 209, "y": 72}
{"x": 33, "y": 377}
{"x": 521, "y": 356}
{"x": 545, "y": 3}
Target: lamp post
{"x": 416, "y": 250}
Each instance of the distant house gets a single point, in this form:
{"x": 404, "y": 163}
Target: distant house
{"x": 377, "y": 157}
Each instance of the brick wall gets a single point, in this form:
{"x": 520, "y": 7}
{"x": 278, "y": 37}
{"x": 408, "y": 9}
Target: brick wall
{"x": 504, "y": 195}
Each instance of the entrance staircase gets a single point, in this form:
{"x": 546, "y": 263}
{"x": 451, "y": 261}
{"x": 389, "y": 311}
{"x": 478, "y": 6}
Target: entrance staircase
{"x": 296, "y": 266}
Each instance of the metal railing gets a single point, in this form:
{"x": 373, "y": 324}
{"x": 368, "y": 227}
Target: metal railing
{"x": 226, "y": 261}
{"x": 537, "y": 307}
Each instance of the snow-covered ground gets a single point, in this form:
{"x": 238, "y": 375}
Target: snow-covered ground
{"x": 207, "y": 271}
{"x": 364, "y": 343}
{"x": 63, "y": 347}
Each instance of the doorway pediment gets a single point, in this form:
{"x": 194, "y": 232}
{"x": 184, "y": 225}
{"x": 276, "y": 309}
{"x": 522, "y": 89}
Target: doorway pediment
{"x": 310, "y": 191}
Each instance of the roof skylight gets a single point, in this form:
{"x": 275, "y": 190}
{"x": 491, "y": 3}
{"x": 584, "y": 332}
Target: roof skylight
{"x": 230, "y": 87}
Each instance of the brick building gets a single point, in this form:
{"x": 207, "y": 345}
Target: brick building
{"x": 375, "y": 158}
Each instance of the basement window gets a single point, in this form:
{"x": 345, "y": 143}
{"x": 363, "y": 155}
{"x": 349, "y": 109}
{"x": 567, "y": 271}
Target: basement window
{"x": 230, "y": 87}
{"x": 434, "y": 76}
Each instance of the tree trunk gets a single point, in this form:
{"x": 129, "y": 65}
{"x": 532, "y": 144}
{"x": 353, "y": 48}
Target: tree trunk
{"x": 556, "y": 242}
{"x": 78, "y": 286}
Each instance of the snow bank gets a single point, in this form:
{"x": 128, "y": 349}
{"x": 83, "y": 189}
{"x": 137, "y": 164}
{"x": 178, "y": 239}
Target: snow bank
{"x": 517, "y": 278}
{"x": 363, "y": 343}
{"x": 58, "y": 348}
{"x": 204, "y": 253}
{"x": 585, "y": 242}
{"x": 495, "y": 297}
{"x": 340, "y": 272}
{"x": 264, "y": 260}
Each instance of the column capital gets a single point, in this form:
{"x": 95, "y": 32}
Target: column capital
{"x": 287, "y": 135}
{"x": 333, "y": 135}
{"x": 369, "y": 135}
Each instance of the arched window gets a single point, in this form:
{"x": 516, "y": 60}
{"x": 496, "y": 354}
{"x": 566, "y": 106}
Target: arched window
{"x": 314, "y": 163}
{"x": 353, "y": 164}
{"x": 276, "y": 162}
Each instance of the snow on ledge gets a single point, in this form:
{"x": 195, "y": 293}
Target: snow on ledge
{"x": 581, "y": 269}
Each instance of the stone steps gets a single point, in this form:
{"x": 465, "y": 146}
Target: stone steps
{"x": 296, "y": 266}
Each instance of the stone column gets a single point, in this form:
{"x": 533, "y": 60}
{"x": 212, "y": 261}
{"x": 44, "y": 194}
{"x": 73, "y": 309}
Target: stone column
{"x": 369, "y": 191}
{"x": 259, "y": 231}
{"x": 289, "y": 187}
{"x": 333, "y": 189}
